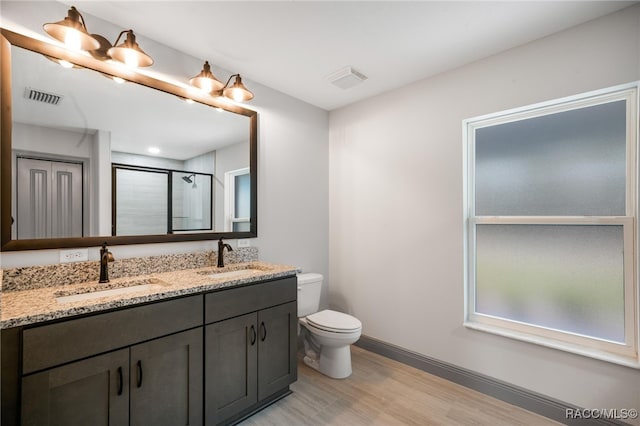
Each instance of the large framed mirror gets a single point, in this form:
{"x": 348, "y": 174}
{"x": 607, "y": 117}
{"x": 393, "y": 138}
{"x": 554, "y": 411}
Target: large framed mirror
{"x": 87, "y": 159}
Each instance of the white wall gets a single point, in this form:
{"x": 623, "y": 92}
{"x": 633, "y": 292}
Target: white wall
{"x": 396, "y": 207}
{"x": 228, "y": 158}
{"x": 292, "y": 157}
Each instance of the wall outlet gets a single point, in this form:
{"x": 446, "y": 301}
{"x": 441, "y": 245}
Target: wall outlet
{"x": 75, "y": 255}
{"x": 245, "y": 242}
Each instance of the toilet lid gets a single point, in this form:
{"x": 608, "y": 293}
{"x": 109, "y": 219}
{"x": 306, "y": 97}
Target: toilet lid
{"x": 334, "y": 321}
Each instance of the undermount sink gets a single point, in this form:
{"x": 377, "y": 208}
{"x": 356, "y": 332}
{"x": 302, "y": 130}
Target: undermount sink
{"x": 233, "y": 271}
{"x": 231, "y": 274}
{"x": 108, "y": 289}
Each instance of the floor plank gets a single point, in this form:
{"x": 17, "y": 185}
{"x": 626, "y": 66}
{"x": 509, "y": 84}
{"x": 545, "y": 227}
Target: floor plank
{"x": 385, "y": 392}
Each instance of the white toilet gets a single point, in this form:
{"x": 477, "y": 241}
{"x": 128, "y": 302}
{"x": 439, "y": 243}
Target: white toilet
{"x": 327, "y": 335}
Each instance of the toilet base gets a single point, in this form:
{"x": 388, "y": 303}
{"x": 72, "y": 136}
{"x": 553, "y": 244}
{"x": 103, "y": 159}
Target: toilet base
{"x": 332, "y": 362}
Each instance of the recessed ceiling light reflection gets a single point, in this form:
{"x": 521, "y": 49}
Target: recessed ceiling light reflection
{"x": 153, "y": 150}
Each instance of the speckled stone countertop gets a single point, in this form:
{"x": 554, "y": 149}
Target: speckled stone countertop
{"x": 31, "y": 306}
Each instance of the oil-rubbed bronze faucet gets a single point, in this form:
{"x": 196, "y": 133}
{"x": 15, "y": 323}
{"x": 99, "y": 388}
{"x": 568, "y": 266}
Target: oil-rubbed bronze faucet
{"x": 221, "y": 247}
{"x": 105, "y": 258}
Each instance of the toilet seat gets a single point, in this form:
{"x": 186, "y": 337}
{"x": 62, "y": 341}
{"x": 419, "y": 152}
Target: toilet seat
{"x": 335, "y": 322}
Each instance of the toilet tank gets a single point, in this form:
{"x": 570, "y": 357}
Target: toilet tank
{"x": 309, "y": 286}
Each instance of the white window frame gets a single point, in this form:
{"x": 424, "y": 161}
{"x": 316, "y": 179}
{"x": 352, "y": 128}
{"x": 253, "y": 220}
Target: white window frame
{"x": 230, "y": 198}
{"x": 624, "y": 354}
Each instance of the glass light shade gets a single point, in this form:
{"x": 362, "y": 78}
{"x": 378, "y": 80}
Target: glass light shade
{"x": 206, "y": 81}
{"x": 72, "y": 32}
{"x": 129, "y": 53}
{"x": 62, "y": 62}
{"x": 238, "y": 92}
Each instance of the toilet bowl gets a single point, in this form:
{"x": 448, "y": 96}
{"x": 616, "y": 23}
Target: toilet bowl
{"x": 327, "y": 335}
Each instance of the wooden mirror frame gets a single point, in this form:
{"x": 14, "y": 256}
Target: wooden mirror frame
{"x": 9, "y": 39}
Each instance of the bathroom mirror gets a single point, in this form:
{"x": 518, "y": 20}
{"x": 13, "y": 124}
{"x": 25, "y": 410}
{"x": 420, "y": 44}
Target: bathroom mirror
{"x": 85, "y": 159}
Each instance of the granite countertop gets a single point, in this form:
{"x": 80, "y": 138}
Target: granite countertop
{"x": 37, "y": 305}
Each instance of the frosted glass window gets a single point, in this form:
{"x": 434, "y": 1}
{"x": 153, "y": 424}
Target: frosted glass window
{"x": 568, "y": 278}
{"x": 241, "y": 226}
{"x": 571, "y": 163}
{"x": 243, "y": 196}
{"x": 551, "y": 233}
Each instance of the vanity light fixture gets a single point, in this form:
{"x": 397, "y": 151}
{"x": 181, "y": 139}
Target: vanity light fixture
{"x": 128, "y": 52}
{"x": 237, "y": 91}
{"x": 72, "y": 31}
{"x": 208, "y": 82}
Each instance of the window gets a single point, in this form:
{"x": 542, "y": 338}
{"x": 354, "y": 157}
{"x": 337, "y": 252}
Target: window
{"x": 550, "y": 195}
{"x": 238, "y": 200}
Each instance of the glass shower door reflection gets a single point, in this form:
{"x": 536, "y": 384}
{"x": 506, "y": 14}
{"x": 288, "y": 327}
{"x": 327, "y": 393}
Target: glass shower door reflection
{"x": 191, "y": 201}
{"x": 141, "y": 202}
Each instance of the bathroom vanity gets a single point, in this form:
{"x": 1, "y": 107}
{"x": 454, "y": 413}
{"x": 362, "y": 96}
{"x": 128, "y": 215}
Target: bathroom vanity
{"x": 188, "y": 354}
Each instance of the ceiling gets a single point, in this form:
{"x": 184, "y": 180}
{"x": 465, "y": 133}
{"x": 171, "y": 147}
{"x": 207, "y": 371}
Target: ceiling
{"x": 292, "y": 46}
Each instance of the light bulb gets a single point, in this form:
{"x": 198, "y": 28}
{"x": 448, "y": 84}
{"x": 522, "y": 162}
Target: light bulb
{"x": 65, "y": 64}
{"x": 118, "y": 80}
{"x": 237, "y": 95}
{"x": 206, "y": 85}
{"x": 72, "y": 40}
{"x": 131, "y": 59}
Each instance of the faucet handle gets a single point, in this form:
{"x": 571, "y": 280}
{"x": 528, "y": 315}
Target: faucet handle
{"x": 104, "y": 250}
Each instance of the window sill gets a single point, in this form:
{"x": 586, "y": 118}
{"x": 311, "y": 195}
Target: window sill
{"x": 555, "y": 344}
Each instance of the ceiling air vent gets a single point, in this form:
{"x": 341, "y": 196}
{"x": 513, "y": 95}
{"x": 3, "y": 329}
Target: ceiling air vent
{"x": 40, "y": 96}
{"x": 346, "y": 78}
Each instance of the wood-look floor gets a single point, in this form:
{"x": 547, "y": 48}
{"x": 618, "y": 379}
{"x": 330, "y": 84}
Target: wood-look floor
{"x": 385, "y": 392}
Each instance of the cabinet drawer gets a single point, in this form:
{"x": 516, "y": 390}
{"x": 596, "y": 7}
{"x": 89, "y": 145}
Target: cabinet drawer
{"x": 62, "y": 342}
{"x": 229, "y": 303}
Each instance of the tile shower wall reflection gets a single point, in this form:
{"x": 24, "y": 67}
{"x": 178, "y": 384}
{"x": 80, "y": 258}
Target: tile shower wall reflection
{"x": 141, "y": 202}
{"x": 191, "y": 201}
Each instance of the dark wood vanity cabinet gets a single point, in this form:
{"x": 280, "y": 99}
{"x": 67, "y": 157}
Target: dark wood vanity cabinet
{"x": 210, "y": 358}
{"x": 92, "y": 391}
{"x": 148, "y": 380}
{"x": 153, "y": 383}
{"x": 166, "y": 380}
{"x": 250, "y": 359}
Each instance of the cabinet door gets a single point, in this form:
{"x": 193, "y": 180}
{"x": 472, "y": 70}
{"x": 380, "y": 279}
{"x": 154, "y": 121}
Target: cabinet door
{"x": 166, "y": 380}
{"x": 94, "y": 392}
{"x": 231, "y": 367}
{"x": 277, "y": 342}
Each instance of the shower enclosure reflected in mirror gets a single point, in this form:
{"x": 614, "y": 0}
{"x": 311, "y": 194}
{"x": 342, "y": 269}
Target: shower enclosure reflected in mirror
{"x": 87, "y": 160}
{"x": 149, "y": 200}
